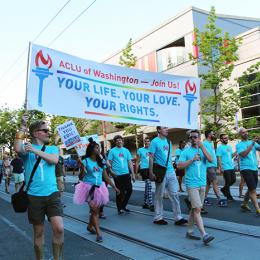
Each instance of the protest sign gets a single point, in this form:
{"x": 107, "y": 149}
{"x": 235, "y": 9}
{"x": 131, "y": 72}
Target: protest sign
{"x": 66, "y": 85}
{"x": 82, "y": 146}
{"x": 69, "y": 134}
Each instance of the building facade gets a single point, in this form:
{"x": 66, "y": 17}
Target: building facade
{"x": 166, "y": 49}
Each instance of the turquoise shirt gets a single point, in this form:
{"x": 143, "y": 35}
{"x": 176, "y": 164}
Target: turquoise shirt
{"x": 94, "y": 172}
{"x": 195, "y": 173}
{"x": 178, "y": 152}
{"x": 250, "y": 161}
{"x": 210, "y": 148}
{"x": 44, "y": 180}
{"x": 120, "y": 158}
{"x": 224, "y": 151}
{"x": 159, "y": 148}
{"x": 143, "y": 153}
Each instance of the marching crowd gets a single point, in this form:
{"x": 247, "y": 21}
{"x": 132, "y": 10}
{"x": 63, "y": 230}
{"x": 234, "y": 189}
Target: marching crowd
{"x": 196, "y": 161}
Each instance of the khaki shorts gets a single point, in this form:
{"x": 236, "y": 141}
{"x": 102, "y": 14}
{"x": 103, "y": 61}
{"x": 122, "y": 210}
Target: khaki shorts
{"x": 196, "y": 197}
{"x": 60, "y": 183}
{"x": 18, "y": 177}
{"x": 39, "y": 206}
{"x": 211, "y": 174}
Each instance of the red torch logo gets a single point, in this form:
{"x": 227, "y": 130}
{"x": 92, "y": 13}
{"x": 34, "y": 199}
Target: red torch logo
{"x": 39, "y": 57}
{"x": 190, "y": 97}
{"x": 190, "y": 89}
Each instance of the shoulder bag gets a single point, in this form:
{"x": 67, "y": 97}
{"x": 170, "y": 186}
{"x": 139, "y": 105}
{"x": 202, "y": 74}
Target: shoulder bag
{"x": 20, "y": 199}
{"x": 160, "y": 171}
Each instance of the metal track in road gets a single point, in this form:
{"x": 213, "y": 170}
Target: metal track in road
{"x": 139, "y": 242}
{"x": 207, "y": 226}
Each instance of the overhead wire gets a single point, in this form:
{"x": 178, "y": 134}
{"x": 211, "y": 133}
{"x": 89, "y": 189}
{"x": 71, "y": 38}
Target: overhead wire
{"x": 35, "y": 38}
{"x": 64, "y": 30}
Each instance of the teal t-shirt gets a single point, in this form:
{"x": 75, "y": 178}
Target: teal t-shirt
{"x": 178, "y": 152}
{"x": 195, "y": 173}
{"x": 143, "y": 153}
{"x": 120, "y": 158}
{"x": 250, "y": 161}
{"x": 159, "y": 148}
{"x": 224, "y": 151}
{"x": 94, "y": 172}
{"x": 210, "y": 148}
{"x": 44, "y": 180}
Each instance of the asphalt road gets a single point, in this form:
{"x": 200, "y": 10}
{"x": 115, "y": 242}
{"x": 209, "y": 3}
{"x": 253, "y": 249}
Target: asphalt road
{"x": 16, "y": 240}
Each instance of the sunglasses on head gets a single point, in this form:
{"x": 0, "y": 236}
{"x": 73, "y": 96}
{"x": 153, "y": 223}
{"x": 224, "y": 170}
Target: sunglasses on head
{"x": 44, "y": 130}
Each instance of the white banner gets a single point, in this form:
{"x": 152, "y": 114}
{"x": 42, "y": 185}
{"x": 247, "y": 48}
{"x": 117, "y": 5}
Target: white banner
{"x": 69, "y": 134}
{"x": 66, "y": 85}
{"x": 82, "y": 146}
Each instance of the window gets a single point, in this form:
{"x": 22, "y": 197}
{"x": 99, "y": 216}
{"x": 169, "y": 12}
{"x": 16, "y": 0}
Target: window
{"x": 250, "y": 107}
{"x": 171, "y": 55}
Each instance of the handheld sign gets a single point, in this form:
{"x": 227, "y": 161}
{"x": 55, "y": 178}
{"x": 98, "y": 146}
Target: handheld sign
{"x": 69, "y": 134}
{"x": 81, "y": 148}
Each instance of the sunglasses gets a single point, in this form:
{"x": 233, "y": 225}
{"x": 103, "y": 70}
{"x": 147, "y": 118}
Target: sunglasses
{"x": 194, "y": 137}
{"x": 44, "y": 130}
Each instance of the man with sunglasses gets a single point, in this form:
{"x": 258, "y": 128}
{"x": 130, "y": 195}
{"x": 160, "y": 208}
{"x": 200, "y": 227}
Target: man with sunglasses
{"x": 193, "y": 159}
{"x": 246, "y": 149}
{"x": 43, "y": 194}
{"x": 226, "y": 165}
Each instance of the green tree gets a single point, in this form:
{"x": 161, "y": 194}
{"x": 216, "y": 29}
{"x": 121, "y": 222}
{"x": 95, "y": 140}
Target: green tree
{"x": 8, "y": 127}
{"x": 218, "y": 52}
{"x": 54, "y": 122}
{"x": 128, "y": 59}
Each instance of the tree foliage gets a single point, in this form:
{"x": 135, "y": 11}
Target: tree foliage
{"x": 218, "y": 52}
{"x": 128, "y": 59}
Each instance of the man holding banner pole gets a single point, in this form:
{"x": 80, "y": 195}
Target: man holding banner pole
{"x": 43, "y": 194}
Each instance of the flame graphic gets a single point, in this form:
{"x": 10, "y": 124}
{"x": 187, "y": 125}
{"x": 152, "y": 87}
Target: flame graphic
{"x": 190, "y": 88}
{"x": 39, "y": 56}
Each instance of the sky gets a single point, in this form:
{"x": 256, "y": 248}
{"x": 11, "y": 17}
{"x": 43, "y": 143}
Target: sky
{"x": 102, "y": 30}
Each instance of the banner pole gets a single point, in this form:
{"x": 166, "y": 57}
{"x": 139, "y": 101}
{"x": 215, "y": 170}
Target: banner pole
{"x": 27, "y": 76}
{"x": 105, "y": 135}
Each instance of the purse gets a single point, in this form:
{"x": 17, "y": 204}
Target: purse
{"x": 160, "y": 171}
{"x": 20, "y": 199}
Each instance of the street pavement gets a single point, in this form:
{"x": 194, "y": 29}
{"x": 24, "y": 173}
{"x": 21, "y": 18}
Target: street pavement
{"x": 134, "y": 236}
{"x": 16, "y": 239}
{"x": 231, "y": 213}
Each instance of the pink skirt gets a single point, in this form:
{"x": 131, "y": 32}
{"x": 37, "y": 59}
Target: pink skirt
{"x": 98, "y": 198}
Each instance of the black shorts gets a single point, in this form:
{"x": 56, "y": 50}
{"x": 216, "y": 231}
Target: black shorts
{"x": 39, "y": 206}
{"x": 144, "y": 173}
{"x": 251, "y": 178}
{"x": 180, "y": 172}
{"x": 211, "y": 175}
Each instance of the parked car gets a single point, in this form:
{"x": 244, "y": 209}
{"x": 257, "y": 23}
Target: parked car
{"x": 70, "y": 162}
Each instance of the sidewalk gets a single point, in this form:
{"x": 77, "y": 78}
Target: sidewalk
{"x": 227, "y": 245}
{"x": 232, "y": 240}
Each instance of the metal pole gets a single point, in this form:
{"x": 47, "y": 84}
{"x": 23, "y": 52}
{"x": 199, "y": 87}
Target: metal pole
{"x": 105, "y": 135}
{"x": 27, "y": 75}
